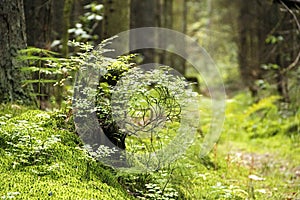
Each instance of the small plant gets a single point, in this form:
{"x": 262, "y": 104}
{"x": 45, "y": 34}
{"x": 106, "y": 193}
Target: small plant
{"x": 148, "y": 107}
{"x": 31, "y": 151}
{"x": 154, "y": 192}
{"x": 22, "y": 143}
{"x": 49, "y": 71}
{"x": 220, "y": 191}
{"x": 41, "y": 74}
{"x": 151, "y": 185}
{"x": 262, "y": 118}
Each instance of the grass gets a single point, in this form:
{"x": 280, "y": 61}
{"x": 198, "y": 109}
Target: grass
{"x": 274, "y": 159}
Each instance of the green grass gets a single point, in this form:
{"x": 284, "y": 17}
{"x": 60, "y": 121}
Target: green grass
{"x": 224, "y": 174}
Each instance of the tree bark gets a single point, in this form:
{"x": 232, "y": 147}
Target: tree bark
{"x": 38, "y": 22}
{"x": 168, "y": 23}
{"x": 172, "y": 15}
{"x": 12, "y": 39}
{"x": 143, "y": 14}
{"x": 250, "y": 45}
{"x": 57, "y": 21}
{"x": 179, "y": 24}
{"x": 65, "y": 32}
{"x": 116, "y": 19}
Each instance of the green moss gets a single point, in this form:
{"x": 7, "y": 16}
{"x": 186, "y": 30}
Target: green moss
{"x": 42, "y": 159}
{"x": 35, "y": 187}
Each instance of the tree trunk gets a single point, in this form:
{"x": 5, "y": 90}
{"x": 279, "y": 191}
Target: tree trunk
{"x": 172, "y": 15}
{"x": 57, "y": 21}
{"x": 38, "y": 22}
{"x": 179, "y": 24}
{"x": 250, "y": 46}
{"x": 116, "y": 19}
{"x": 12, "y": 39}
{"x": 65, "y": 34}
{"x": 168, "y": 23}
{"x": 143, "y": 14}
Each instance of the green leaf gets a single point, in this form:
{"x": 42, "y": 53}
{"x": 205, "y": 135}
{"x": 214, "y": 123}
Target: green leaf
{"x": 40, "y": 81}
{"x": 32, "y": 50}
{"x": 31, "y": 69}
{"x": 37, "y": 58}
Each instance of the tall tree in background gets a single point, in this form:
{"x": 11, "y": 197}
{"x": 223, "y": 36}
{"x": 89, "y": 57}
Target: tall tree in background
{"x": 179, "y": 23}
{"x": 57, "y": 19}
{"x": 143, "y": 14}
{"x": 160, "y": 13}
{"x": 250, "y": 42}
{"x": 38, "y": 15}
{"x": 66, "y": 25}
{"x": 12, "y": 38}
{"x": 165, "y": 20}
{"x": 116, "y": 18}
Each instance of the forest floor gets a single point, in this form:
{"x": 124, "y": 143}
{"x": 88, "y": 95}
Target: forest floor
{"x": 267, "y": 145}
{"x": 257, "y": 157}
{"x": 276, "y": 171}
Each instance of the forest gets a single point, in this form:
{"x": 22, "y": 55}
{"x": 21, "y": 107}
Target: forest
{"x": 150, "y": 99}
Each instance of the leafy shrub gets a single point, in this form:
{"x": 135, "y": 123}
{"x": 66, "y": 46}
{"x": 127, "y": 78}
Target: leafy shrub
{"x": 155, "y": 96}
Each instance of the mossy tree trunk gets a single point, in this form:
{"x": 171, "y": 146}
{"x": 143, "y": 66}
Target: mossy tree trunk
{"x": 12, "y": 39}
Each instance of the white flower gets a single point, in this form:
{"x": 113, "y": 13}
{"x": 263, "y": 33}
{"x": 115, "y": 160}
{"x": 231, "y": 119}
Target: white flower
{"x": 263, "y": 191}
{"x": 256, "y": 178}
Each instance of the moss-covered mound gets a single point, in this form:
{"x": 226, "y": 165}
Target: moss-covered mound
{"x": 41, "y": 159}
